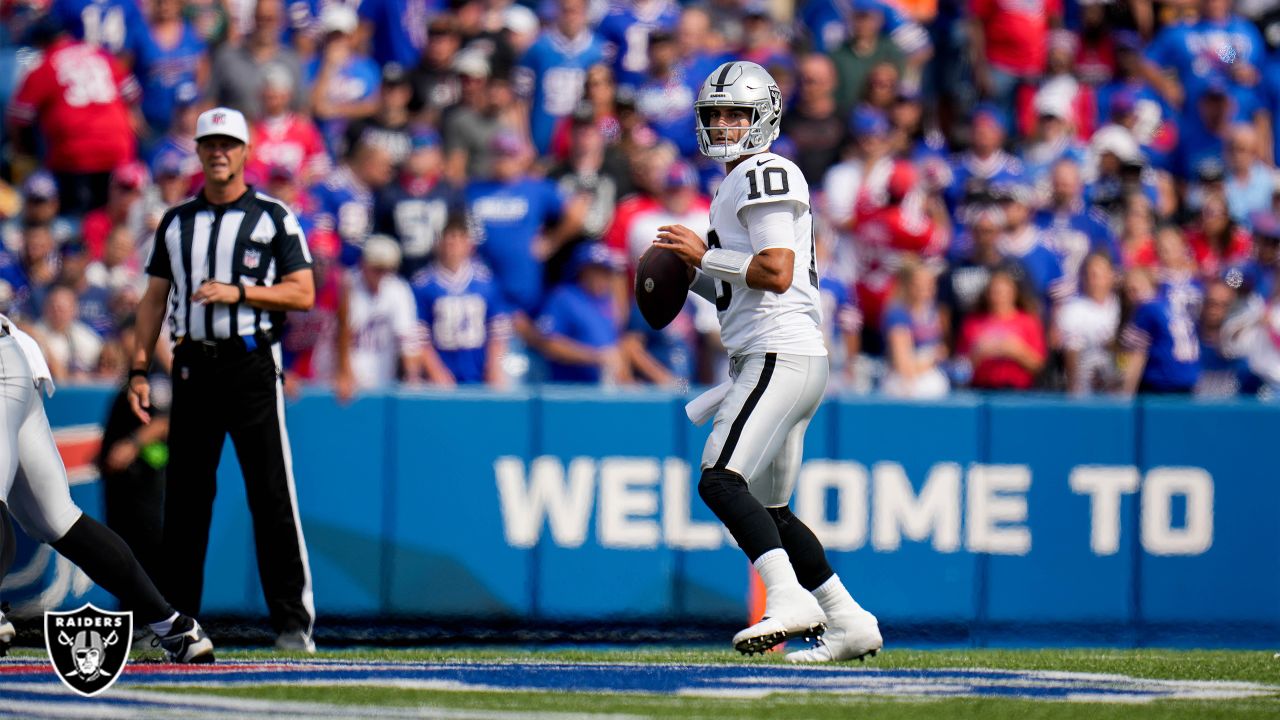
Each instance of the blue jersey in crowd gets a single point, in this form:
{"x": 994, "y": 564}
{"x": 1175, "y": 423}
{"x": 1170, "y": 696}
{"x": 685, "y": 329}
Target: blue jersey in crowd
{"x": 357, "y": 80}
{"x": 840, "y": 313}
{"x": 926, "y": 329}
{"x": 507, "y": 218}
{"x": 460, "y": 310}
{"x": 1221, "y": 376}
{"x": 1168, "y": 334}
{"x": 161, "y": 70}
{"x": 1001, "y": 167}
{"x": 627, "y": 32}
{"x": 1206, "y": 49}
{"x": 95, "y": 310}
{"x": 345, "y": 205}
{"x": 667, "y": 106}
{"x": 1044, "y": 274}
{"x": 1073, "y": 234}
{"x": 116, "y": 26}
{"x": 671, "y": 345}
{"x": 556, "y": 68}
{"x": 416, "y": 219}
{"x": 572, "y": 313}
{"x": 12, "y": 274}
{"x": 399, "y": 28}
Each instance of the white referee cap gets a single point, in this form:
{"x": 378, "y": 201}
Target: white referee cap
{"x": 222, "y": 121}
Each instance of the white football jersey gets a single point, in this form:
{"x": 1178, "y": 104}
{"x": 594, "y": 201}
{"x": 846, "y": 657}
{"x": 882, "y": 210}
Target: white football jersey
{"x": 759, "y": 321}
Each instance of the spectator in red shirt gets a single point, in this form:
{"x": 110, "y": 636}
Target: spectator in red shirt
{"x": 282, "y": 137}
{"x": 1004, "y": 339}
{"x": 80, "y": 98}
{"x": 1138, "y": 232}
{"x": 887, "y": 236}
{"x": 124, "y": 191}
{"x": 1009, "y": 45}
{"x": 1216, "y": 241}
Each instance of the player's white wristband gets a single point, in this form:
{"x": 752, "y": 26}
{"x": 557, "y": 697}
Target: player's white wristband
{"x": 727, "y": 265}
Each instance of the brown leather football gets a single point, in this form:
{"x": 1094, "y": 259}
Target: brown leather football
{"x": 662, "y": 286}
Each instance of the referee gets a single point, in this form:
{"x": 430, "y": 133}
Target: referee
{"x": 228, "y": 264}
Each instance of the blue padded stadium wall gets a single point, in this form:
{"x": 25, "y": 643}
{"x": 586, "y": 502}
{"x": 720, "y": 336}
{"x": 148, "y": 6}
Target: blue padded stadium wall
{"x": 982, "y": 519}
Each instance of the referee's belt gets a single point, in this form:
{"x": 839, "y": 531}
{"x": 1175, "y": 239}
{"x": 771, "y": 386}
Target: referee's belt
{"x": 227, "y": 347}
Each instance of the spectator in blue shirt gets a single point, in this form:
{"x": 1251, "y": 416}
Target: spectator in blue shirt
{"x": 173, "y": 54}
{"x": 396, "y": 30}
{"x": 915, "y": 336}
{"x": 116, "y": 26}
{"x": 552, "y": 72}
{"x": 344, "y": 83}
{"x": 1222, "y": 374}
{"x": 1249, "y": 180}
{"x": 579, "y": 322}
{"x": 1024, "y": 242}
{"x": 628, "y": 28}
{"x": 415, "y": 209}
{"x": 519, "y": 221}
{"x": 460, "y": 307}
{"x": 1161, "y": 351}
{"x": 1072, "y": 228}
{"x": 665, "y": 96}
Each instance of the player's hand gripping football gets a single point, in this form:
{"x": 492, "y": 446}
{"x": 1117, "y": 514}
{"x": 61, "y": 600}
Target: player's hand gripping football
{"x": 684, "y": 242}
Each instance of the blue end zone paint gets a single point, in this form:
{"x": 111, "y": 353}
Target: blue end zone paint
{"x": 33, "y": 682}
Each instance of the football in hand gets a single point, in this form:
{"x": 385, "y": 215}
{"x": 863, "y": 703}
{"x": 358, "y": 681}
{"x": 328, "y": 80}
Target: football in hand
{"x": 662, "y": 286}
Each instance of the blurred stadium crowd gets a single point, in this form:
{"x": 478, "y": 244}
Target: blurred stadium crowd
{"x": 1070, "y": 195}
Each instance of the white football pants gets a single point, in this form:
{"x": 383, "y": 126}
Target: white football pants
{"x": 33, "y": 481}
{"x": 759, "y": 428}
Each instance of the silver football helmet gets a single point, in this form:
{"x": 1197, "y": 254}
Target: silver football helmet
{"x": 745, "y": 85}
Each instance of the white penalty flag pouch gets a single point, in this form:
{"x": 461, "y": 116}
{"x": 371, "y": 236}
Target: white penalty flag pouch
{"x": 704, "y": 407}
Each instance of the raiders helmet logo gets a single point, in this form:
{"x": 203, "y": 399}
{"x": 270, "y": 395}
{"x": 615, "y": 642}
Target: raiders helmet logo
{"x": 88, "y": 647}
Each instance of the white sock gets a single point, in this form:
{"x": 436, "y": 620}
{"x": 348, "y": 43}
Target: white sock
{"x": 835, "y": 599}
{"x": 163, "y": 627}
{"x": 775, "y": 570}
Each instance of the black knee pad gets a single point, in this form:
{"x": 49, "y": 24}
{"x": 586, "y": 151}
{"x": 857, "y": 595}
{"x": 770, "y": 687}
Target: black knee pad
{"x": 726, "y": 493}
{"x": 716, "y": 485}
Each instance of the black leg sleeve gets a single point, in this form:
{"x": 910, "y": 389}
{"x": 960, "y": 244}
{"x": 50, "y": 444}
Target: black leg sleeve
{"x": 803, "y": 548}
{"x": 107, "y": 560}
{"x": 726, "y": 493}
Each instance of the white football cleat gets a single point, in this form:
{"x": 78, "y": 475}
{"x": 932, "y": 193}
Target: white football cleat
{"x": 848, "y": 637}
{"x": 789, "y": 613}
{"x": 7, "y": 633}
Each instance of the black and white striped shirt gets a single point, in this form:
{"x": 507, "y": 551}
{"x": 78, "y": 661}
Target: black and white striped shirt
{"x": 255, "y": 240}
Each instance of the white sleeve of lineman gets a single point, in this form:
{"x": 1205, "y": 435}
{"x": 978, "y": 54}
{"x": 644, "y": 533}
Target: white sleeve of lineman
{"x": 771, "y": 225}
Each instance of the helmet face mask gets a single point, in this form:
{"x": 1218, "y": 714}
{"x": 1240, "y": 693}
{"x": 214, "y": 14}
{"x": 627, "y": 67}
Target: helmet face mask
{"x": 746, "y": 86}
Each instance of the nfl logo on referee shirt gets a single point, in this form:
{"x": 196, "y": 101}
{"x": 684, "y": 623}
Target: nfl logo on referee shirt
{"x": 252, "y": 258}
{"x": 88, "y": 647}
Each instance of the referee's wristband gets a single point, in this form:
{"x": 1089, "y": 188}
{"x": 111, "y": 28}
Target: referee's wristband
{"x": 242, "y": 295}
{"x": 138, "y": 373}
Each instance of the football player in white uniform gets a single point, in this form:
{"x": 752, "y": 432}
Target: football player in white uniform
{"x": 761, "y": 273}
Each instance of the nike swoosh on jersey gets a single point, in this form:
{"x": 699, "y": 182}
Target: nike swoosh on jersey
{"x": 764, "y": 160}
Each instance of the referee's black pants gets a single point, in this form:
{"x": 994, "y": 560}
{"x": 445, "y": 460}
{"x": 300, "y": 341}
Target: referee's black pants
{"x": 237, "y": 392}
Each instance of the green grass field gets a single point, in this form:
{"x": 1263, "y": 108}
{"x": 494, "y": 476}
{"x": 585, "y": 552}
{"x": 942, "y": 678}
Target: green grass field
{"x": 1252, "y": 667}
